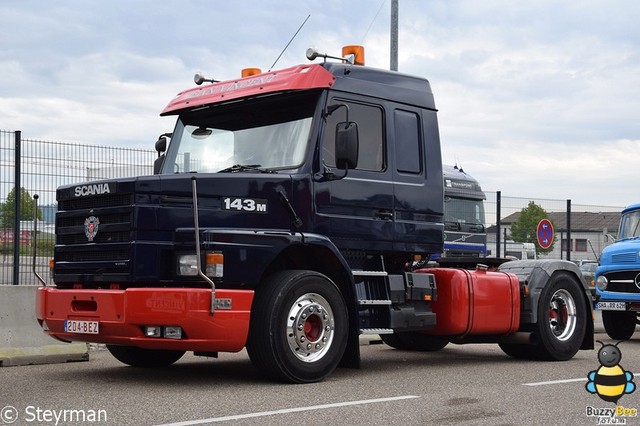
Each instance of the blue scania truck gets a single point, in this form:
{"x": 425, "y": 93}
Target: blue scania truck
{"x": 291, "y": 212}
{"x": 618, "y": 278}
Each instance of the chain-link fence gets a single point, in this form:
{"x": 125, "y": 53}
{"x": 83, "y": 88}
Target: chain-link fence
{"x": 36, "y": 167}
{"x": 580, "y": 232}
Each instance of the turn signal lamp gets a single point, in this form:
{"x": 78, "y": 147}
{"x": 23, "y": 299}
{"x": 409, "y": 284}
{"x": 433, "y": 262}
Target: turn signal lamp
{"x": 52, "y": 263}
{"x": 248, "y": 72}
{"x": 215, "y": 265}
{"x": 356, "y": 51}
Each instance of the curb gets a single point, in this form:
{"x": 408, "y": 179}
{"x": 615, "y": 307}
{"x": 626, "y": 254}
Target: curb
{"x": 48, "y": 354}
{"x": 22, "y": 341}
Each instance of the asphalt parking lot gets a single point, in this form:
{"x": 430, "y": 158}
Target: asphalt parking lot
{"x": 469, "y": 384}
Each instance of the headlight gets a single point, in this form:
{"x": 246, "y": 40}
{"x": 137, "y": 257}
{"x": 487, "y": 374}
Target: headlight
{"x": 188, "y": 265}
{"x": 601, "y": 283}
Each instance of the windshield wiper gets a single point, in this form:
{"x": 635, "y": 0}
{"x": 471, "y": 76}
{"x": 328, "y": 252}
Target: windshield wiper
{"x": 452, "y": 225}
{"x": 463, "y": 226}
{"x": 245, "y": 167}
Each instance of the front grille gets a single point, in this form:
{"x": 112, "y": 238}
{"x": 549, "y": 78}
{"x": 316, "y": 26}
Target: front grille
{"x": 102, "y": 237}
{"x": 623, "y": 287}
{"x": 623, "y": 281}
{"x": 85, "y": 203}
{"x": 113, "y": 228}
{"x": 93, "y": 255}
{"x": 109, "y": 251}
{"x": 105, "y": 219}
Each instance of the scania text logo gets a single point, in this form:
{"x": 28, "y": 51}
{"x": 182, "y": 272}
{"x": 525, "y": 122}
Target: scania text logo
{"x": 94, "y": 189}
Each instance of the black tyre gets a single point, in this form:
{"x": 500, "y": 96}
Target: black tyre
{"x": 414, "y": 341}
{"x": 393, "y": 340}
{"x": 145, "y": 358}
{"x": 299, "y": 327}
{"x": 562, "y": 318}
{"x": 517, "y": 350}
{"x": 619, "y": 325}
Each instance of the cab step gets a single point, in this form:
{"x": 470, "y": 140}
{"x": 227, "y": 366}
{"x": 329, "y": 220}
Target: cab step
{"x": 380, "y": 302}
{"x": 369, "y": 331}
{"x": 358, "y": 273}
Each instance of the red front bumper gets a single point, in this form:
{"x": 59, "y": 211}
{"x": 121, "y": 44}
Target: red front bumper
{"x": 122, "y": 314}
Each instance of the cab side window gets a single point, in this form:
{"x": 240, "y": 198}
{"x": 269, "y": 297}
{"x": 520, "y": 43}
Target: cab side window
{"x": 371, "y": 153}
{"x": 407, "y": 142}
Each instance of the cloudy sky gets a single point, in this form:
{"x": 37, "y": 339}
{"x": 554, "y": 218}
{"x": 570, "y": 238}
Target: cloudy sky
{"x": 536, "y": 99}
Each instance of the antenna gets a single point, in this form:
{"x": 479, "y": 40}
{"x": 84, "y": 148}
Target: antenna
{"x": 294, "y": 36}
{"x": 372, "y": 21}
{"x": 594, "y": 251}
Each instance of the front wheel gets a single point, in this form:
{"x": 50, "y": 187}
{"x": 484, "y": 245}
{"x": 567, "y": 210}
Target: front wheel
{"x": 562, "y": 318}
{"x": 619, "y": 325}
{"x": 299, "y": 327}
{"x": 146, "y": 358}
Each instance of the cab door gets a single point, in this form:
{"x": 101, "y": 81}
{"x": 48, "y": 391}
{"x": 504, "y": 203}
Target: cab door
{"x": 356, "y": 211}
{"x": 417, "y": 175}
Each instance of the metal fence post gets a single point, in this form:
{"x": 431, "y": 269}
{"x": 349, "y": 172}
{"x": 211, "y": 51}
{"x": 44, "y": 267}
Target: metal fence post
{"x": 568, "y": 231}
{"x": 498, "y": 224}
{"x": 16, "y": 208}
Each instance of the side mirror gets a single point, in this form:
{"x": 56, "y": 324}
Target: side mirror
{"x": 161, "y": 143}
{"x": 161, "y": 147}
{"x": 157, "y": 164}
{"x": 347, "y": 143}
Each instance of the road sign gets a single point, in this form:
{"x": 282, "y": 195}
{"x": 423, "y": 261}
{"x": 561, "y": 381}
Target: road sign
{"x": 545, "y": 233}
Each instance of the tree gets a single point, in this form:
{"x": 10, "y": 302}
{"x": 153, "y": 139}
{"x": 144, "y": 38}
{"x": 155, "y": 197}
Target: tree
{"x": 27, "y": 204}
{"x": 525, "y": 228}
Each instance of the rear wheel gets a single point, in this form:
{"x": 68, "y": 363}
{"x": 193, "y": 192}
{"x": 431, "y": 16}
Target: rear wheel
{"x": 516, "y": 350}
{"x": 562, "y": 318}
{"x": 146, "y": 358}
{"x": 299, "y": 327}
{"x": 562, "y": 322}
{"x": 393, "y": 340}
{"x": 619, "y": 325}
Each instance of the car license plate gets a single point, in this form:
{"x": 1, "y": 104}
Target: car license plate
{"x": 81, "y": 327}
{"x": 611, "y": 306}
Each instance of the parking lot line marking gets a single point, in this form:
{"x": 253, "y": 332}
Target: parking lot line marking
{"x": 554, "y": 382}
{"x": 288, "y": 410}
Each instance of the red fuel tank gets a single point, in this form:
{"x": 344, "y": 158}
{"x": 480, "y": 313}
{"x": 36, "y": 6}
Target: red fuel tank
{"x": 475, "y": 302}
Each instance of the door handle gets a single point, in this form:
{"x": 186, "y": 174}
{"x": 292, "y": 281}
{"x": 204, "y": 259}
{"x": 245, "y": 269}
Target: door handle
{"x": 385, "y": 214}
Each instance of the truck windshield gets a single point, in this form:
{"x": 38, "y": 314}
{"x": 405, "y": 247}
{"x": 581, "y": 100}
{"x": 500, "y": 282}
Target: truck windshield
{"x": 266, "y": 134}
{"x": 463, "y": 213}
{"x": 629, "y": 225}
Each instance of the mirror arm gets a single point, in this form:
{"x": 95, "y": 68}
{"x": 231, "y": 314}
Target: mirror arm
{"x": 332, "y": 108}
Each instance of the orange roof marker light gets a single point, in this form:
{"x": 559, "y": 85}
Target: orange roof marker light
{"x": 354, "y": 54}
{"x": 248, "y": 72}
